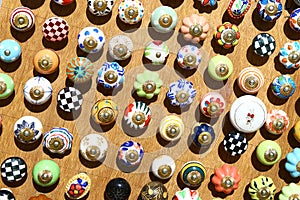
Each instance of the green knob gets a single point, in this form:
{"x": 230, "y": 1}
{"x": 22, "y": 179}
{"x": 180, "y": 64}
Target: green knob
{"x": 45, "y": 173}
{"x": 268, "y": 152}
{"x": 6, "y": 86}
{"x": 220, "y": 68}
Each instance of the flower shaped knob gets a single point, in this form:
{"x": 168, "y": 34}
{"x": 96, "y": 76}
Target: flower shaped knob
{"x": 46, "y": 61}
{"x": 130, "y": 154}
{"x": 212, "y": 104}
{"x": 45, "y": 173}
{"x": 262, "y": 187}
{"x": 6, "y": 86}
{"x": 269, "y": 10}
{"x": 78, "y": 186}
{"x": 292, "y": 164}
{"x": 283, "y": 86}
{"x": 187, "y": 194}
{"x": 120, "y": 47}
{"x": 294, "y": 20}
{"x": 235, "y": 144}
{"x": 192, "y": 173}
{"x": 189, "y": 57}
{"x": 238, "y": 8}
{"x": 289, "y": 55}
{"x": 268, "y": 152}
{"x": 22, "y": 19}
{"x": 91, "y": 39}
{"x": 93, "y": 147}
{"x": 55, "y": 29}
{"x": 10, "y": 51}
{"x": 202, "y": 134}
{"x": 131, "y": 11}
{"x": 163, "y": 167}
{"x": 250, "y": 80}
{"x": 104, "y": 112}
{"x": 296, "y": 130}
{"x": 80, "y": 70}
{"x": 154, "y": 190}
{"x": 100, "y": 7}
{"x": 171, "y": 128}
{"x": 37, "y": 90}
{"x": 290, "y": 192}
{"x": 156, "y": 52}
{"x": 28, "y": 129}
{"x": 277, "y": 121}
{"x": 194, "y": 28}
{"x": 110, "y": 75}
{"x": 121, "y": 186}
{"x": 227, "y": 35}
{"x": 164, "y": 19}
{"x": 220, "y": 68}
{"x": 137, "y": 115}
{"x": 63, "y": 2}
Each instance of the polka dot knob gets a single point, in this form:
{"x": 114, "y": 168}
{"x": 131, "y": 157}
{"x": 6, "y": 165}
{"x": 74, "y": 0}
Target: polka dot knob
{"x": 91, "y": 39}
{"x": 10, "y": 50}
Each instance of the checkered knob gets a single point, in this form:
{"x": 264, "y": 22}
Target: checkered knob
{"x": 69, "y": 99}
{"x": 235, "y": 144}
{"x": 13, "y": 169}
{"x": 55, "y": 29}
{"x": 6, "y": 194}
{"x": 263, "y": 44}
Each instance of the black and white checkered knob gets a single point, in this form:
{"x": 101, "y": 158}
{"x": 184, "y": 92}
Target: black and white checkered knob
{"x": 55, "y": 29}
{"x": 6, "y": 194}
{"x": 263, "y": 44}
{"x": 13, "y": 169}
{"x": 69, "y": 99}
{"x": 235, "y": 144}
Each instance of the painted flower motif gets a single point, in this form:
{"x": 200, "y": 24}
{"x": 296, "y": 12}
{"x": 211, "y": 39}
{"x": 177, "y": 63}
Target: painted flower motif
{"x": 292, "y": 164}
{"x": 289, "y": 55}
{"x": 213, "y": 100}
{"x": 78, "y": 186}
{"x": 194, "y": 28}
{"x": 294, "y": 18}
{"x": 283, "y": 86}
{"x": 238, "y": 8}
{"x": 291, "y": 191}
{"x": 227, "y": 35}
{"x": 110, "y": 75}
{"x": 187, "y": 194}
{"x": 23, "y": 126}
{"x": 268, "y": 14}
{"x": 262, "y": 187}
{"x": 131, "y": 153}
{"x": 277, "y": 121}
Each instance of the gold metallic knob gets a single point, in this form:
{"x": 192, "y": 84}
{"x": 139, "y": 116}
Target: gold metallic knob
{"x": 194, "y": 178}
{"x": 278, "y": 124}
{"x": 26, "y": 134}
{"x": 36, "y": 92}
{"x": 298, "y": 166}
{"x": 2, "y": 87}
{"x": 271, "y": 9}
{"x": 213, "y": 108}
{"x": 263, "y": 193}
{"x": 93, "y": 152}
{"x": 131, "y": 12}
{"x": 164, "y": 171}
{"x": 294, "y": 57}
{"x": 227, "y": 182}
{"x": 229, "y": 36}
{"x": 56, "y": 144}
{"x": 90, "y": 43}
{"x": 251, "y": 82}
{"x": 120, "y": 50}
{"x": 100, "y": 5}
{"x": 111, "y": 76}
{"x": 21, "y": 21}
{"x": 106, "y": 115}
{"x": 132, "y": 156}
{"x": 298, "y": 21}
{"x": 189, "y": 60}
{"x": 149, "y": 87}
{"x": 271, "y": 155}
{"x": 196, "y": 30}
{"x": 7, "y": 52}
{"x": 138, "y": 118}
{"x": 45, "y": 62}
{"x": 204, "y": 138}
{"x": 165, "y": 20}
{"x": 295, "y": 197}
{"x": 172, "y": 130}
{"x": 222, "y": 70}
{"x": 182, "y": 96}
{"x": 286, "y": 89}
{"x": 45, "y": 176}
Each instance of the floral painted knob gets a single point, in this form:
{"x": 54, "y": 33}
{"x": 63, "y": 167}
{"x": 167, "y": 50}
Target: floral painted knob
{"x": 6, "y": 86}
{"x": 80, "y": 70}
{"x": 171, "y": 128}
{"x": 187, "y": 194}
{"x": 46, "y": 61}
{"x": 194, "y": 28}
{"x": 238, "y": 8}
{"x": 22, "y": 19}
{"x": 192, "y": 173}
{"x": 283, "y": 86}
{"x": 10, "y": 51}
{"x": 120, "y": 47}
{"x": 100, "y": 7}
{"x": 110, "y": 75}
{"x": 220, "y": 68}
{"x": 117, "y": 189}
{"x": 55, "y": 29}
{"x": 212, "y": 104}
{"x": 91, "y": 39}
{"x": 63, "y": 2}
{"x": 211, "y": 3}
{"x": 28, "y": 129}
{"x": 263, "y": 44}
{"x": 202, "y": 134}
{"x": 157, "y": 52}
{"x": 131, "y": 11}
{"x": 147, "y": 84}
{"x": 13, "y": 170}
{"x": 227, "y": 35}
{"x": 58, "y": 140}
{"x": 45, "y": 173}
{"x": 226, "y": 179}
{"x": 277, "y": 121}
{"x": 105, "y": 112}
{"x": 250, "y": 80}
{"x": 93, "y": 147}
{"x": 137, "y": 115}
{"x": 294, "y": 20}
{"x": 268, "y": 152}
{"x": 235, "y": 144}
{"x": 290, "y": 192}
{"x": 296, "y": 131}
{"x": 181, "y": 93}
{"x": 292, "y": 164}
{"x": 130, "y": 154}
{"x": 189, "y": 57}
{"x": 262, "y": 187}
{"x": 37, "y": 90}
{"x": 5, "y": 192}
{"x": 164, "y": 19}
{"x": 163, "y": 167}
{"x": 269, "y": 10}
{"x": 78, "y": 186}
{"x": 69, "y": 99}
{"x": 289, "y": 55}
{"x": 40, "y": 197}
{"x": 153, "y": 190}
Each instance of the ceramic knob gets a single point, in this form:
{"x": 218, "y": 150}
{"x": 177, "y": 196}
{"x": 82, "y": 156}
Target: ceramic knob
{"x": 294, "y": 20}
{"x": 153, "y": 191}
{"x": 250, "y": 80}
{"x": 7, "y": 194}
{"x": 13, "y": 169}
{"x": 40, "y": 197}
{"x": 45, "y": 173}
{"x": 10, "y": 51}
{"x": 164, "y": 19}
{"x": 120, "y": 47}
{"x": 297, "y": 2}
{"x": 37, "y": 90}
{"x": 289, "y": 55}
{"x": 46, "y": 61}
{"x": 235, "y": 144}
{"x": 181, "y": 93}
{"x": 110, "y": 75}
{"x": 262, "y": 187}
{"x": 80, "y": 70}
{"x": 220, "y": 68}
{"x": 93, "y": 147}
{"x": 289, "y": 192}
{"x": 211, "y": 3}
{"x": 117, "y": 189}
{"x": 292, "y": 164}
{"x": 263, "y": 44}
{"x": 189, "y": 57}
{"x": 131, "y": 11}
{"x": 194, "y": 28}
{"x": 156, "y": 52}
{"x": 163, "y": 167}
{"x": 296, "y": 131}
{"x": 22, "y": 19}
{"x": 245, "y": 118}
{"x": 171, "y": 128}
{"x": 91, "y": 39}
{"x": 58, "y": 140}
{"x": 130, "y": 154}
{"x": 187, "y": 194}
{"x": 277, "y": 121}
{"x": 147, "y": 84}
{"x": 227, "y": 35}
{"x": 212, "y": 104}
{"x": 202, "y": 134}
{"x": 55, "y": 29}
{"x": 6, "y": 86}
{"x": 100, "y": 7}
{"x": 105, "y": 112}
{"x": 78, "y": 186}
{"x": 238, "y": 8}
{"x": 63, "y": 2}
{"x": 28, "y": 129}
{"x": 69, "y": 99}
{"x": 269, "y": 10}
{"x": 283, "y": 86}
{"x": 192, "y": 173}
{"x": 268, "y": 152}
{"x": 137, "y": 115}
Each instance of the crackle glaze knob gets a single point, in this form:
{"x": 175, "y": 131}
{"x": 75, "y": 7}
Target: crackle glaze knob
{"x": 120, "y": 47}
{"x": 227, "y": 35}
{"x": 263, "y": 44}
{"x": 69, "y": 99}
{"x": 289, "y": 55}
{"x": 269, "y": 10}
{"x": 100, "y": 7}
{"x": 58, "y": 140}
{"x": 22, "y": 19}
{"x": 235, "y": 144}
{"x": 192, "y": 173}
{"x": 63, "y": 2}
{"x": 292, "y": 164}
{"x": 6, "y": 86}
{"x": 130, "y": 153}
{"x": 194, "y": 28}
{"x": 80, "y": 70}
{"x": 13, "y": 169}
{"x": 10, "y": 50}
{"x": 294, "y": 20}
{"x": 78, "y": 186}
{"x": 153, "y": 191}
{"x": 7, "y": 194}
{"x": 110, "y": 75}
{"x": 283, "y": 86}
{"x": 220, "y": 68}
{"x": 164, "y": 19}
{"x": 137, "y": 115}
{"x": 212, "y": 104}
{"x": 93, "y": 147}
{"x": 40, "y": 197}
{"x": 262, "y": 188}
{"x": 163, "y": 167}
{"x": 28, "y": 129}
{"x": 296, "y": 131}
{"x": 45, "y": 173}
{"x": 46, "y": 61}
{"x": 55, "y": 29}
{"x": 37, "y": 90}
{"x": 171, "y": 128}
{"x": 156, "y": 52}
{"x": 104, "y": 112}
{"x": 117, "y": 189}
{"x": 238, "y": 8}
{"x": 202, "y": 134}
{"x": 91, "y": 39}
{"x": 187, "y": 194}
{"x": 189, "y": 57}
{"x": 131, "y": 11}
{"x": 290, "y": 192}
{"x": 250, "y": 80}
{"x": 277, "y": 121}
{"x": 268, "y": 152}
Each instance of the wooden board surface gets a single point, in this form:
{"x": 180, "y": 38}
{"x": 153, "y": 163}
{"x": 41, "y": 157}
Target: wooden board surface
{"x": 80, "y": 124}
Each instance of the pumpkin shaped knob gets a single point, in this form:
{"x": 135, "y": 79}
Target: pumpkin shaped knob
{"x": 203, "y": 134}
{"x": 194, "y": 28}
{"x": 290, "y": 192}
{"x": 262, "y": 188}
{"x": 227, "y": 35}
{"x": 277, "y": 121}
{"x": 289, "y": 55}
{"x": 283, "y": 86}
{"x": 294, "y": 20}
{"x": 292, "y": 164}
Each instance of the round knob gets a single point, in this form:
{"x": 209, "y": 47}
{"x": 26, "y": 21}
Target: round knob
{"x": 91, "y": 39}
{"x": 37, "y": 90}
{"x": 250, "y": 80}
{"x": 46, "y": 173}
{"x": 163, "y": 167}
{"x": 130, "y": 153}
{"x": 271, "y": 8}
{"x": 6, "y": 86}
{"x": 69, "y": 99}
{"x": 137, "y": 115}
{"x": 164, "y": 19}
{"x": 46, "y": 61}
{"x": 22, "y": 19}
{"x": 193, "y": 173}
{"x": 283, "y": 86}
{"x": 220, "y": 68}
{"x": 13, "y": 169}
{"x": 171, "y": 128}
{"x": 104, "y": 112}
{"x": 55, "y": 33}
{"x": 101, "y": 7}
{"x": 120, "y": 185}
{"x": 154, "y": 190}
{"x": 93, "y": 147}
{"x": 131, "y": 11}
{"x": 10, "y": 51}
{"x": 268, "y": 152}
{"x": 189, "y": 57}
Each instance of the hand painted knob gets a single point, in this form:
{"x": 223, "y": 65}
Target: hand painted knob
{"x": 91, "y": 39}
{"x": 157, "y": 52}
{"x": 289, "y": 55}
{"x": 292, "y": 164}
{"x": 202, "y": 134}
{"x": 220, "y": 68}
{"x": 46, "y": 61}
{"x": 294, "y": 20}
{"x": 189, "y": 57}
{"x": 211, "y": 3}
{"x": 13, "y": 169}
{"x": 164, "y": 19}
{"x": 296, "y": 131}
{"x": 7, "y": 194}
{"x": 250, "y": 80}
{"x": 163, "y": 167}
{"x": 263, "y": 44}
{"x": 227, "y": 35}
{"x": 93, "y": 147}
{"x": 291, "y": 191}
{"x": 120, "y": 47}
{"x": 226, "y": 179}
{"x": 192, "y": 173}
{"x": 63, "y": 2}
{"x": 171, "y": 128}
{"x": 130, "y": 154}
{"x": 235, "y": 144}
{"x": 110, "y": 75}
{"x": 147, "y": 84}
{"x": 283, "y": 86}
{"x": 245, "y": 118}
{"x": 28, "y": 129}
{"x": 277, "y": 121}
{"x": 117, "y": 189}
{"x": 22, "y": 19}
{"x": 40, "y": 197}
{"x": 181, "y": 93}
{"x": 105, "y": 112}
{"x": 269, "y": 10}
{"x": 58, "y": 140}
{"x": 238, "y": 8}
{"x": 187, "y": 194}
{"x": 78, "y": 186}
{"x": 69, "y": 99}
{"x": 212, "y": 104}
{"x": 80, "y": 70}
{"x": 10, "y": 51}
{"x": 194, "y": 28}
{"x": 137, "y": 115}
{"x": 6, "y": 86}
{"x": 100, "y": 7}
{"x": 131, "y": 11}
{"x": 55, "y": 29}
{"x": 37, "y": 90}
{"x": 45, "y": 173}
{"x": 262, "y": 187}
{"x": 268, "y": 152}
{"x": 154, "y": 190}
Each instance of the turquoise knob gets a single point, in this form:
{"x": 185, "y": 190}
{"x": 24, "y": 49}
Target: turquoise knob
{"x": 164, "y": 19}
{"x": 10, "y": 50}
{"x": 6, "y": 86}
{"x": 45, "y": 173}
{"x": 292, "y": 164}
